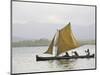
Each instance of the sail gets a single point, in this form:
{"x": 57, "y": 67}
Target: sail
{"x": 50, "y": 49}
{"x": 66, "y": 40}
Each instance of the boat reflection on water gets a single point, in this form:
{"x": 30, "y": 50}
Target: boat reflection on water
{"x": 62, "y": 63}
{"x": 71, "y": 64}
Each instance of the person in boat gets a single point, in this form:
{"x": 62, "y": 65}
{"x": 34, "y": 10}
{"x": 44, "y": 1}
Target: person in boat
{"x": 66, "y": 55}
{"x": 75, "y": 53}
{"x": 87, "y": 52}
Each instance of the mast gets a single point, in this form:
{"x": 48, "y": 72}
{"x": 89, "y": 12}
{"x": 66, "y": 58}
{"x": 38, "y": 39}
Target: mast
{"x": 56, "y": 41}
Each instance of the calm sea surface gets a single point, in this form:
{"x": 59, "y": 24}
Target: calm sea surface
{"x": 24, "y": 60}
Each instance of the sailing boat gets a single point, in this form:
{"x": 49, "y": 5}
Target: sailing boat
{"x": 63, "y": 41}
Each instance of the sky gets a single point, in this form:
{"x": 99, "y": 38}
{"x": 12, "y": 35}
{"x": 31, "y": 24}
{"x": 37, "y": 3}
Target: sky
{"x": 39, "y": 20}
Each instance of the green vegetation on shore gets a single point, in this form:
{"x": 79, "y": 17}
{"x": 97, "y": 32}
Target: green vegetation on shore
{"x": 31, "y": 43}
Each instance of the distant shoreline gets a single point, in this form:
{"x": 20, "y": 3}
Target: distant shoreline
{"x": 43, "y": 42}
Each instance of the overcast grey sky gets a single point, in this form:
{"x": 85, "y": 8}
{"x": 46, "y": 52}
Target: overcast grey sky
{"x": 38, "y": 20}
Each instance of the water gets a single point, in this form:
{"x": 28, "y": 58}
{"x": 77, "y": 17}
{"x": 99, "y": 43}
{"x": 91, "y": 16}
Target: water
{"x": 24, "y": 60}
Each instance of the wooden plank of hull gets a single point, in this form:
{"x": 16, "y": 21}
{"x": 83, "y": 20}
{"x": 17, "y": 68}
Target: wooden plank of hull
{"x": 59, "y": 58}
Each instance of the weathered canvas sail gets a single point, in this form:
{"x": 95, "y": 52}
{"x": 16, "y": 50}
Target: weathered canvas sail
{"x": 65, "y": 41}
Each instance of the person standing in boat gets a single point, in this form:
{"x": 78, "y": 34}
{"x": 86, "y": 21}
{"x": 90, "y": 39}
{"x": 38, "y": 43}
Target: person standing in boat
{"x": 87, "y": 52}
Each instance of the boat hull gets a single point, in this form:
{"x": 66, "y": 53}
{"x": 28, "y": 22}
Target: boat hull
{"x": 62, "y": 57}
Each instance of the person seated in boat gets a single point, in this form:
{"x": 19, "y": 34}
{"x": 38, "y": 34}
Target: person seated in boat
{"x": 67, "y": 55}
{"x": 75, "y": 53}
{"x": 87, "y": 52}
